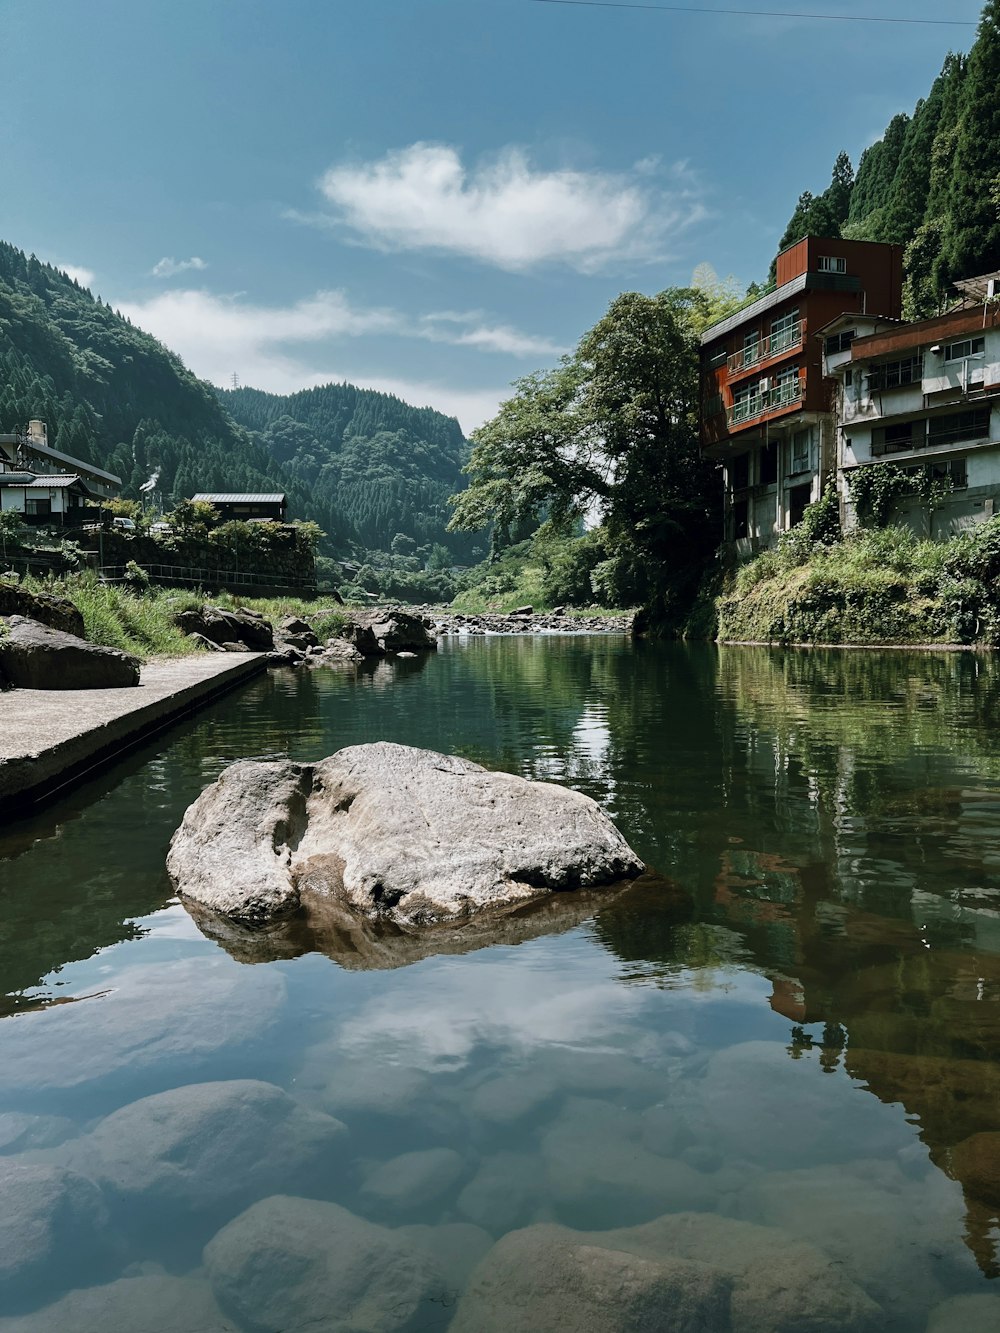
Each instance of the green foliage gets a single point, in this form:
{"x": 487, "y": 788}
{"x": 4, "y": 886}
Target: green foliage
{"x": 881, "y": 585}
{"x": 876, "y": 490}
{"x": 12, "y": 529}
{"x": 611, "y": 430}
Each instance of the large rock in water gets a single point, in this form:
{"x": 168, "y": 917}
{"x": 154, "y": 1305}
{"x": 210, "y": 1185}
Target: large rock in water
{"x": 36, "y": 657}
{"x": 400, "y": 631}
{"x": 390, "y": 832}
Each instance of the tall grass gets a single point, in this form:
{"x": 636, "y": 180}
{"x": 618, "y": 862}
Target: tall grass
{"x": 143, "y": 621}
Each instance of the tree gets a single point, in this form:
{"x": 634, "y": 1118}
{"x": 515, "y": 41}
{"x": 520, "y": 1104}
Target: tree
{"x": 974, "y": 242}
{"x": 609, "y": 435}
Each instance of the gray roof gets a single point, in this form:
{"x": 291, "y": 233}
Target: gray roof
{"x": 278, "y": 498}
{"x": 46, "y": 451}
{"x": 33, "y": 481}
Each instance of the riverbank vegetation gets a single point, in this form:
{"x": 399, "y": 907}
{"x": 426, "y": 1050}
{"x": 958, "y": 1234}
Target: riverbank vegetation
{"x": 874, "y": 586}
{"x": 139, "y": 618}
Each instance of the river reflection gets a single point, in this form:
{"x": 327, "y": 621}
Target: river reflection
{"x": 796, "y": 1027}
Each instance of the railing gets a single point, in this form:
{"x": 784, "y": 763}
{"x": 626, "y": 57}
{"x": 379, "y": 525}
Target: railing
{"x": 189, "y": 576}
{"x": 785, "y": 340}
{"x": 782, "y": 395}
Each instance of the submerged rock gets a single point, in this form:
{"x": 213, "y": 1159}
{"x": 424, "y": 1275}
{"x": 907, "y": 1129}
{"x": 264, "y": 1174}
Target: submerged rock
{"x": 290, "y": 1265}
{"x": 550, "y": 1278}
{"x": 151, "y": 1304}
{"x": 209, "y": 1146}
{"x": 53, "y": 1229}
{"x": 412, "y": 1180}
{"x": 36, "y": 657}
{"x": 391, "y": 833}
{"x": 684, "y": 1272}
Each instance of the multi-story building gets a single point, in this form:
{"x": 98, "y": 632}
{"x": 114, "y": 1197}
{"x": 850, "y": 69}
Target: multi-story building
{"x": 766, "y": 406}
{"x": 925, "y": 396}
{"x": 29, "y": 452}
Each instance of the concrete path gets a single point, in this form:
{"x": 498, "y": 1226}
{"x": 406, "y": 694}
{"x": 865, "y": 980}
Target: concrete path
{"x": 50, "y": 738}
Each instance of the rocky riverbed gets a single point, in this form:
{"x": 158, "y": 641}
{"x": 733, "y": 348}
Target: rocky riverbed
{"x": 526, "y": 621}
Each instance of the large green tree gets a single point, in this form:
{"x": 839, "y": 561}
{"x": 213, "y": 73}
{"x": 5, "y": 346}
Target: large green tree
{"x": 610, "y": 435}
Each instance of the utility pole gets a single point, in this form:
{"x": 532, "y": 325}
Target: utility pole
{"x": 235, "y": 380}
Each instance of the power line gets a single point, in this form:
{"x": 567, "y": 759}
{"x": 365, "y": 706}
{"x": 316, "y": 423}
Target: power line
{"x": 761, "y": 13}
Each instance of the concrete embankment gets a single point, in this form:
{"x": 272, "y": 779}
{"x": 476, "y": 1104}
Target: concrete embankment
{"x": 52, "y": 738}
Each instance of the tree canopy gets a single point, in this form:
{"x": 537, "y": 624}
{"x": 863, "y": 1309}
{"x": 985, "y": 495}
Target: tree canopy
{"x": 609, "y": 437}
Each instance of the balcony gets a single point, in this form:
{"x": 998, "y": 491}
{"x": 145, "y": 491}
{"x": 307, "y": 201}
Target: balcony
{"x": 775, "y": 344}
{"x": 758, "y": 404}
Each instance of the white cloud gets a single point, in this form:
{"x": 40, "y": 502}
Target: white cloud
{"x": 84, "y": 276}
{"x": 168, "y": 267}
{"x": 279, "y": 348}
{"x": 507, "y": 212}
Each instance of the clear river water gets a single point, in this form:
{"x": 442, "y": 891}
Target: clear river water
{"x": 781, "y": 1050}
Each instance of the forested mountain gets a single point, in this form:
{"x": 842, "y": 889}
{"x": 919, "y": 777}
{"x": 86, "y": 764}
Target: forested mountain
{"x": 931, "y": 183}
{"x": 363, "y": 465}
{"x": 378, "y": 465}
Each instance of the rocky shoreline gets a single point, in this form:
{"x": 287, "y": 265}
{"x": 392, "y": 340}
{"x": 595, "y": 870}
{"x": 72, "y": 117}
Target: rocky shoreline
{"x": 525, "y": 621}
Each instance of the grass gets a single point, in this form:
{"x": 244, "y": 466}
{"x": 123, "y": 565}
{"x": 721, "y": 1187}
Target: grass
{"x": 874, "y": 586}
{"x": 142, "y": 621}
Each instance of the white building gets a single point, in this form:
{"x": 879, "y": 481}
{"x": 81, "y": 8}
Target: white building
{"x": 28, "y": 451}
{"x": 926, "y": 397}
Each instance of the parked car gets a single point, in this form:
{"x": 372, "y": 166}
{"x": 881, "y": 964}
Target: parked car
{"x": 123, "y": 524}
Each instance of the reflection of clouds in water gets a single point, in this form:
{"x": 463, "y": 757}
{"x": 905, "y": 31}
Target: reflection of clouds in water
{"x": 589, "y": 757}
{"x": 438, "y": 1017}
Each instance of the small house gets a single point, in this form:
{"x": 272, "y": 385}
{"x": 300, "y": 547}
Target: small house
{"x": 246, "y": 508}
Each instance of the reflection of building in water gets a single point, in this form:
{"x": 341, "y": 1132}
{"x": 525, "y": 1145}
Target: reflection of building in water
{"x": 879, "y": 924}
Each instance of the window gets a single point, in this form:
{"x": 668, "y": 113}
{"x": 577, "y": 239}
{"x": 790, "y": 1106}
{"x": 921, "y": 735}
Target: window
{"x": 713, "y": 405}
{"x": 751, "y": 347}
{"x": 718, "y": 356}
{"x": 786, "y": 331}
{"x": 972, "y": 425}
{"x": 787, "y": 387}
{"x": 798, "y": 498}
{"x": 967, "y": 347}
{"x": 849, "y": 376}
{"x": 741, "y": 520}
{"x": 900, "y": 437}
{"x": 829, "y": 264}
{"x": 768, "y": 464}
{"x": 740, "y": 472}
{"x": 892, "y": 374}
{"x": 839, "y": 342}
{"x": 800, "y": 451}
{"x": 955, "y": 470}
{"x": 34, "y": 505}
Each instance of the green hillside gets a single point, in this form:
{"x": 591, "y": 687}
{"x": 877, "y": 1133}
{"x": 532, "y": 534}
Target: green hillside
{"x": 931, "y": 183}
{"x": 381, "y": 466}
{"x": 363, "y": 465}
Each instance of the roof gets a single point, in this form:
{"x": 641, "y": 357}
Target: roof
{"x": 34, "y": 481}
{"x": 278, "y": 498}
{"x": 844, "y": 282}
{"x": 33, "y": 447}
{"x": 854, "y": 317}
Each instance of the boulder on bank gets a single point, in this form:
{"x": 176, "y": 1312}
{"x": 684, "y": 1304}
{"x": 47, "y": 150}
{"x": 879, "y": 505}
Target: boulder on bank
{"x": 400, "y": 631}
{"x": 390, "y": 833}
{"x": 243, "y": 628}
{"x": 35, "y": 657}
{"x": 56, "y": 612}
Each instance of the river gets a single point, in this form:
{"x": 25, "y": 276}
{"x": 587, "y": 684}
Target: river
{"x": 796, "y": 1028}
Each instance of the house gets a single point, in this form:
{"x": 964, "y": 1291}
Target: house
{"x": 926, "y": 396}
{"x": 766, "y": 406}
{"x": 45, "y": 497}
{"x": 29, "y": 451}
{"x": 246, "y": 507}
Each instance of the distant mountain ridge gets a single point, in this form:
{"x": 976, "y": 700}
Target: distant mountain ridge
{"x": 362, "y": 464}
{"x": 382, "y": 466}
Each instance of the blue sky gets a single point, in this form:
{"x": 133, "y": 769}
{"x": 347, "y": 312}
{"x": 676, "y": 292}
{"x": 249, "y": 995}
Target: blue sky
{"x": 429, "y": 196}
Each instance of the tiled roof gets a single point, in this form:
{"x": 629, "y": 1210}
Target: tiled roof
{"x": 226, "y": 499}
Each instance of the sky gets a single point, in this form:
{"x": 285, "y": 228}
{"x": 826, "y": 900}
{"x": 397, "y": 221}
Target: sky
{"x": 428, "y": 197}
